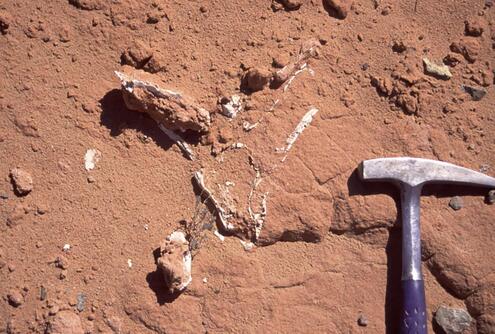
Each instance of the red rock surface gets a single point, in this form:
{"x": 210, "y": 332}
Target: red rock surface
{"x": 329, "y": 247}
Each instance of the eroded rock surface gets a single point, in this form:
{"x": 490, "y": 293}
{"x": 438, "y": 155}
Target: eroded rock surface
{"x": 175, "y": 262}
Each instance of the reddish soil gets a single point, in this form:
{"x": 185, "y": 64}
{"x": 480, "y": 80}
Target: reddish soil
{"x": 329, "y": 247}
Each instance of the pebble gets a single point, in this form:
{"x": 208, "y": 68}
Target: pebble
{"x": 66, "y": 248}
{"x": 439, "y": 71}
{"x": 43, "y": 293}
{"x": 469, "y": 47}
{"x": 477, "y": 93}
{"x": 15, "y": 298}
{"x": 65, "y": 322}
{"x": 473, "y": 27}
{"x": 255, "y": 80}
{"x": 452, "y": 320}
{"x": 340, "y": 7}
{"x": 490, "y": 198}
{"x": 291, "y": 4}
{"x": 81, "y": 301}
{"x": 22, "y": 180}
{"x": 362, "y": 320}
{"x": 456, "y": 203}
{"x": 5, "y": 20}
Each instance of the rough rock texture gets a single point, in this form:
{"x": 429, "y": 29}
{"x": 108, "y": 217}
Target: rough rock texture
{"x": 22, "y": 181}
{"x": 469, "y": 47}
{"x": 172, "y": 109}
{"x": 64, "y": 322}
{"x": 452, "y": 321}
{"x": 338, "y": 8}
{"x": 254, "y": 79}
{"x": 175, "y": 262}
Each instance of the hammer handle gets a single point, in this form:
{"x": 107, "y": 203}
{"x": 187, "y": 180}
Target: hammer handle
{"x": 413, "y": 318}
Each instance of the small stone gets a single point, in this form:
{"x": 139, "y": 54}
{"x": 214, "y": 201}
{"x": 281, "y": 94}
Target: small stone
{"x": 54, "y": 310}
{"x": 15, "y": 298}
{"x": 490, "y": 198}
{"x": 81, "y": 301}
{"x": 22, "y": 180}
{"x": 473, "y": 27}
{"x": 66, "y": 248}
{"x": 63, "y": 275}
{"x": 43, "y": 293}
{"x": 452, "y": 59}
{"x": 91, "y": 179}
{"x": 438, "y": 71}
{"x": 290, "y": 4}
{"x": 456, "y": 203}
{"x": 175, "y": 262}
{"x": 451, "y": 320}
{"x": 469, "y": 47}
{"x": 61, "y": 262}
{"x": 203, "y": 9}
{"x": 255, "y": 80}
{"x": 87, "y": 4}
{"x": 477, "y": 93}
{"x": 338, "y": 8}
{"x": 362, "y": 320}
{"x": 5, "y": 21}
{"x": 136, "y": 55}
{"x": 65, "y": 322}
{"x": 399, "y": 46}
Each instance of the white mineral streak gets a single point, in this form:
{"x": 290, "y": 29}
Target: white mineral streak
{"x": 91, "y": 157}
{"x": 257, "y": 217}
{"x": 189, "y": 153}
{"x": 129, "y": 83}
{"x": 223, "y": 216}
{"x": 303, "y": 124}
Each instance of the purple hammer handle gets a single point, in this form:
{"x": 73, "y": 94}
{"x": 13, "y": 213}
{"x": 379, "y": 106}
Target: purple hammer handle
{"x": 413, "y": 317}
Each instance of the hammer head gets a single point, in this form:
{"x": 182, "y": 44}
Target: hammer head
{"x": 416, "y": 171}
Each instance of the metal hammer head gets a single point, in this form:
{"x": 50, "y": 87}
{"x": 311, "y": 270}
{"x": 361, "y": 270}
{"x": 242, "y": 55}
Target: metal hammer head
{"x": 416, "y": 172}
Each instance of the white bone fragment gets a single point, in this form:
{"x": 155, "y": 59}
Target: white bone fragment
{"x": 221, "y": 212}
{"x": 91, "y": 157}
{"x": 247, "y": 245}
{"x": 175, "y": 261}
{"x": 303, "y": 124}
{"x": 232, "y": 107}
{"x": 249, "y": 126}
{"x": 219, "y": 236}
{"x": 179, "y": 141}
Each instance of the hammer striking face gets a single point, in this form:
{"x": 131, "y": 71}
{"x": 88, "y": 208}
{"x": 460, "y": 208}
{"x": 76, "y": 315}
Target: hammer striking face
{"x": 410, "y": 174}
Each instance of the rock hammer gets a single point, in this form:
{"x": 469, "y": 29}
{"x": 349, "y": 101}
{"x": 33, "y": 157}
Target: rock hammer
{"x": 410, "y": 174}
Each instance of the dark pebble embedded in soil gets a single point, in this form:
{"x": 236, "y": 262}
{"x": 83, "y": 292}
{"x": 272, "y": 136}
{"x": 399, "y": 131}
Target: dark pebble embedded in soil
{"x": 456, "y": 203}
{"x": 362, "y": 320}
{"x": 477, "y": 93}
{"x": 43, "y": 293}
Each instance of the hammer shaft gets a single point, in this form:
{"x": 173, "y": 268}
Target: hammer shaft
{"x": 413, "y": 317}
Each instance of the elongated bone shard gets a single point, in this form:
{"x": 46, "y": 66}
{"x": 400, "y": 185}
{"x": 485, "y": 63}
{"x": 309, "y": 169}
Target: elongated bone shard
{"x": 179, "y": 142}
{"x": 172, "y": 109}
{"x": 303, "y": 124}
